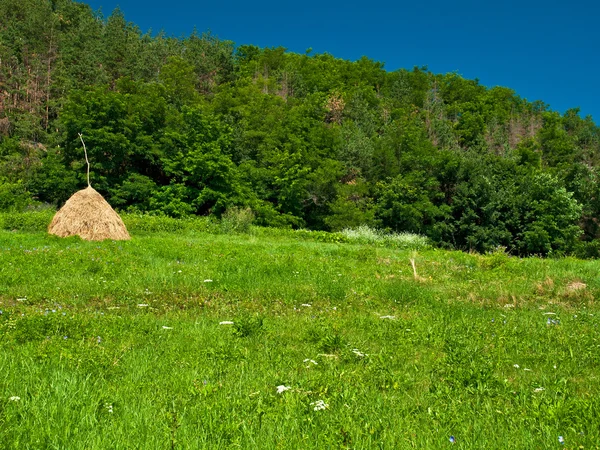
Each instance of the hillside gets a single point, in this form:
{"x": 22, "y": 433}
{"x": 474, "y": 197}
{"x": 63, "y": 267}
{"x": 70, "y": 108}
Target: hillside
{"x": 198, "y": 126}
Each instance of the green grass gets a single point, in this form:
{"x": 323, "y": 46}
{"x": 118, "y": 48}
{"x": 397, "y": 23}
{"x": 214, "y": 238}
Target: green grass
{"x": 119, "y": 344}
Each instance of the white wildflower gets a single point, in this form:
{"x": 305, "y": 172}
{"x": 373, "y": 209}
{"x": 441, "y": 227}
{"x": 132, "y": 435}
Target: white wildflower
{"x": 167, "y": 328}
{"x": 14, "y": 398}
{"x": 310, "y": 361}
{"x": 307, "y": 305}
{"x": 142, "y": 305}
{"x": 281, "y": 389}
{"x": 527, "y": 370}
{"x": 358, "y": 353}
{"x": 319, "y": 405}
{"x": 388, "y": 317}
{"x": 208, "y": 281}
{"x": 516, "y": 366}
{"x": 226, "y": 322}
{"x": 539, "y": 389}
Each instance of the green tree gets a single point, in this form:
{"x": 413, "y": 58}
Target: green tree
{"x": 406, "y": 203}
{"x": 550, "y": 217}
{"x": 352, "y": 207}
{"x": 196, "y": 155}
{"x": 179, "y": 80}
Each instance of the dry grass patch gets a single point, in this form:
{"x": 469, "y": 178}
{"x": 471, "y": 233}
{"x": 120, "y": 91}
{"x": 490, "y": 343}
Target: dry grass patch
{"x": 545, "y": 287}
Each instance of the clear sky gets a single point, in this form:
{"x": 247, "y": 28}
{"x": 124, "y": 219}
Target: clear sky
{"x": 544, "y": 50}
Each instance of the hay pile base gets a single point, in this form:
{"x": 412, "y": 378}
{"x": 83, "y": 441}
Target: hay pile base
{"x": 88, "y": 215}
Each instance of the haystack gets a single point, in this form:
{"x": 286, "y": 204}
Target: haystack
{"x": 89, "y": 216}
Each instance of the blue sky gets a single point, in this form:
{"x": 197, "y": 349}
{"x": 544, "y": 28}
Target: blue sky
{"x": 544, "y": 50}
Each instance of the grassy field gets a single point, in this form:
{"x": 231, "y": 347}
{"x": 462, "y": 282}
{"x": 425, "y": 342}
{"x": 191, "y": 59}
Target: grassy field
{"x": 195, "y": 338}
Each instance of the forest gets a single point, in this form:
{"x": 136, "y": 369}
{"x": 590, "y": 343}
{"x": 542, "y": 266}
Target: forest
{"x": 198, "y": 125}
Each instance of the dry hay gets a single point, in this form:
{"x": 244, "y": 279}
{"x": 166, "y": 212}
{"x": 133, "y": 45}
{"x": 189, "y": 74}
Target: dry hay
{"x": 575, "y": 286}
{"x": 577, "y": 290}
{"x": 88, "y": 215}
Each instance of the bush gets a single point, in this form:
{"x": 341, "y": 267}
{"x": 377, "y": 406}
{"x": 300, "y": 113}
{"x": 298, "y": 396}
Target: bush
{"x": 237, "y": 220}
{"x": 588, "y": 250}
{"x": 33, "y": 221}
{"x": 154, "y": 224}
{"x": 368, "y": 235}
{"x": 320, "y": 236}
{"x": 550, "y": 217}
{"x": 14, "y": 197}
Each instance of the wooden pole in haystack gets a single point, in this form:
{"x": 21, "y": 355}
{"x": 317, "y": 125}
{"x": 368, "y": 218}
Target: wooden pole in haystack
{"x": 86, "y": 160}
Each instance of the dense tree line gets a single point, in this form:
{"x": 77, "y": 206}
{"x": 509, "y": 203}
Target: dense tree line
{"x": 196, "y": 125}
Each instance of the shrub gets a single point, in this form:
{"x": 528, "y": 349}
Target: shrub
{"x": 588, "y": 250}
{"x": 14, "y": 197}
{"x": 153, "y": 224}
{"x": 368, "y": 235}
{"x": 33, "y": 221}
{"x": 237, "y": 220}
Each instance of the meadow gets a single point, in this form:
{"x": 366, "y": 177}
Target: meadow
{"x": 200, "y": 334}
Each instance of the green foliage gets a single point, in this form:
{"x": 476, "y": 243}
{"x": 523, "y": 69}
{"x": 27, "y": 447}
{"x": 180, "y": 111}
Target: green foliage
{"x": 136, "y": 193}
{"x": 26, "y": 221}
{"x": 528, "y": 154}
{"x": 550, "y": 220}
{"x": 237, "y": 220}
{"x": 53, "y": 182}
{"x": 246, "y": 326}
{"x": 404, "y": 204}
{"x": 352, "y": 207}
{"x": 557, "y": 145}
{"x": 144, "y": 223}
{"x": 195, "y": 126}
{"x": 14, "y": 196}
{"x": 172, "y": 200}
{"x": 326, "y": 338}
{"x": 179, "y": 80}
{"x": 197, "y": 156}
{"x": 367, "y": 235}
{"x": 527, "y": 211}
